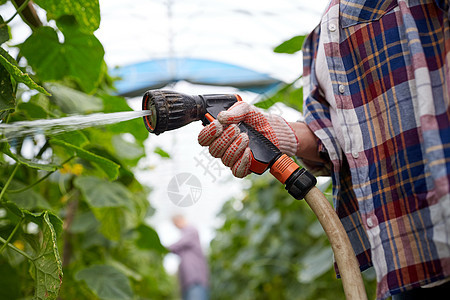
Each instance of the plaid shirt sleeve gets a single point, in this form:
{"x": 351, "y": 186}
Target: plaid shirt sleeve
{"x": 388, "y": 98}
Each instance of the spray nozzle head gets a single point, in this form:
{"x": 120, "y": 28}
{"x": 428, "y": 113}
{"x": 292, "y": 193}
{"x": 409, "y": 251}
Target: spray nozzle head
{"x": 171, "y": 110}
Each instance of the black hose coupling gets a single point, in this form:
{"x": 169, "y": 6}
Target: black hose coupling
{"x": 300, "y": 183}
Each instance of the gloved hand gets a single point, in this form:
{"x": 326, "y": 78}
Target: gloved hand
{"x": 227, "y": 142}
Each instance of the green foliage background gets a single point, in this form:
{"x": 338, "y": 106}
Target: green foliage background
{"x": 271, "y": 246}
{"x": 72, "y": 214}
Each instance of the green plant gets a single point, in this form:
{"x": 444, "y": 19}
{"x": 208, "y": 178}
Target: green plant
{"x": 271, "y": 246}
{"x": 72, "y": 214}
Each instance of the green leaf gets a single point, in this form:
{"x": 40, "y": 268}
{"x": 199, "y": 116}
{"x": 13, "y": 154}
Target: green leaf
{"x": 4, "y": 31}
{"x": 112, "y": 221}
{"x": 32, "y": 110}
{"x": 86, "y": 12}
{"x": 29, "y": 199}
{"x": 118, "y": 104}
{"x": 95, "y": 239}
{"x": 47, "y": 263}
{"x": 83, "y": 222}
{"x": 45, "y": 167}
{"x": 7, "y": 98}
{"x": 316, "y": 262}
{"x": 110, "y": 168}
{"x": 8, "y": 57}
{"x": 33, "y": 240}
{"x": 80, "y": 56}
{"x": 161, "y": 152}
{"x": 266, "y": 104}
{"x": 76, "y": 138}
{"x": 107, "y": 200}
{"x": 13, "y": 208}
{"x": 19, "y": 76}
{"x": 72, "y": 101}
{"x": 106, "y": 282}
{"x": 114, "y": 103}
{"x": 125, "y": 149}
{"x": 149, "y": 239}
{"x": 291, "y": 46}
{"x": 38, "y": 218}
{"x": 289, "y": 95}
{"x": 316, "y": 229}
{"x": 10, "y": 279}
{"x": 124, "y": 269}
{"x": 44, "y": 102}
{"x": 102, "y": 193}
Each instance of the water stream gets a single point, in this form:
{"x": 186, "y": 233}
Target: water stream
{"x": 54, "y": 126}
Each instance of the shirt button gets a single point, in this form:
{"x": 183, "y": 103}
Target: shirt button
{"x": 370, "y": 222}
{"x": 355, "y": 154}
{"x": 341, "y": 88}
{"x": 332, "y": 27}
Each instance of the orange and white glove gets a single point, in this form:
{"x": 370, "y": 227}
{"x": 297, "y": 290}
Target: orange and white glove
{"x": 225, "y": 140}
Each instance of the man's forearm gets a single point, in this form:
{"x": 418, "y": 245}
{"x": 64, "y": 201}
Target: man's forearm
{"x": 307, "y": 142}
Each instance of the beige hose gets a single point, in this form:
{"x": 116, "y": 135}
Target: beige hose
{"x": 343, "y": 251}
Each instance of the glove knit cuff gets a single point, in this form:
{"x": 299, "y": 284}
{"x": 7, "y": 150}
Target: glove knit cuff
{"x": 288, "y": 142}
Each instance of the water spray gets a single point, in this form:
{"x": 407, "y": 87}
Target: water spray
{"x": 70, "y": 123}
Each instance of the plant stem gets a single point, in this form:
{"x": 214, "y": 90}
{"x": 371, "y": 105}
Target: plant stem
{"x": 42, "y": 150}
{"x": 40, "y": 179}
{"x": 11, "y": 236}
{"x": 16, "y": 249}
{"x": 29, "y": 15}
{"x": 33, "y": 184}
{"x": 72, "y": 208}
{"x": 9, "y": 181}
{"x": 19, "y": 9}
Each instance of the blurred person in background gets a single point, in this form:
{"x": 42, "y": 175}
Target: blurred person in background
{"x": 193, "y": 269}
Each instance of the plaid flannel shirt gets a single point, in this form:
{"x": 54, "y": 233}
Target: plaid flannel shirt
{"x": 383, "y": 123}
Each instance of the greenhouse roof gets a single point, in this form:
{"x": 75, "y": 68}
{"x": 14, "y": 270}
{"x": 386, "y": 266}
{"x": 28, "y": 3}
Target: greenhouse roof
{"x": 157, "y": 73}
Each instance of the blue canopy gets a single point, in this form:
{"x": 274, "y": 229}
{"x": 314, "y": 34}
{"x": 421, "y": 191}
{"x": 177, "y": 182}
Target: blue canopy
{"x": 137, "y": 78}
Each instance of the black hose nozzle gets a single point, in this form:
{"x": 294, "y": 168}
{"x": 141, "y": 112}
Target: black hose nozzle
{"x": 172, "y": 110}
